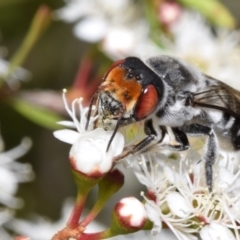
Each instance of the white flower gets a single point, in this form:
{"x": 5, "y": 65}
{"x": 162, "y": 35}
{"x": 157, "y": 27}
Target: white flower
{"x": 217, "y": 55}
{"x": 182, "y": 200}
{"x": 89, "y": 148}
{"x": 12, "y": 173}
{"x": 91, "y": 29}
{"x": 13, "y": 79}
{"x": 119, "y": 26}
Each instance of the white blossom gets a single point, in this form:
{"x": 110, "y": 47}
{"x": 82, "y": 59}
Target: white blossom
{"x": 215, "y": 54}
{"x": 91, "y": 147}
{"x": 119, "y": 26}
{"x": 88, "y": 152}
{"x": 19, "y": 74}
{"x": 12, "y": 173}
{"x": 182, "y": 199}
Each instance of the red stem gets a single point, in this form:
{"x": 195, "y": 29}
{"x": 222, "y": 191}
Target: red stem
{"x": 77, "y": 211}
{"x": 83, "y": 73}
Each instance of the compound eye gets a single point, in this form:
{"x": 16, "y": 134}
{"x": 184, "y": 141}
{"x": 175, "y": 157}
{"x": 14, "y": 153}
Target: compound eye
{"x": 146, "y": 103}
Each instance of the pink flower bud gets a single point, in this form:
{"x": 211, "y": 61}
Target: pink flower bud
{"x": 130, "y": 215}
{"x": 169, "y": 12}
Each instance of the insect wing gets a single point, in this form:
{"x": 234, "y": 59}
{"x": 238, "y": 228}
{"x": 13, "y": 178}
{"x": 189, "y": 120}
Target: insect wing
{"x": 219, "y": 96}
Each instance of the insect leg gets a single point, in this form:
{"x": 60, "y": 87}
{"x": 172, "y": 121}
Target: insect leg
{"x": 211, "y": 149}
{"x": 178, "y": 139}
{"x": 145, "y": 142}
{"x": 151, "y": 136}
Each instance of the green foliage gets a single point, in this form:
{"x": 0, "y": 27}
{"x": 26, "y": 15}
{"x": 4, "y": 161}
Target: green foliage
{"x": 213, "y": 10}
{"x": 36, "y": 114}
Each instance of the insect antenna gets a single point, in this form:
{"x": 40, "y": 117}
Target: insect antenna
{"x": 90, "y": 109}
{"x": 115, "y": 129}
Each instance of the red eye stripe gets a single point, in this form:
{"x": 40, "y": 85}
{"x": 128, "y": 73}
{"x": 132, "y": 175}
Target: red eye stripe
{"x": 115, "y": 64}
{"x": 146, "y": 103}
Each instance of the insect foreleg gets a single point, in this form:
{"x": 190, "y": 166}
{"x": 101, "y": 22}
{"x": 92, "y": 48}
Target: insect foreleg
{"x": 145, "y": 142}
{"x": 211, "y": 149}
{"x": 152, "y": 136}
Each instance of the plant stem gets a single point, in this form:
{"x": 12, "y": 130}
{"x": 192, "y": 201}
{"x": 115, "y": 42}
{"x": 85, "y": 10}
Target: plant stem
{"x": 39, "y": 24}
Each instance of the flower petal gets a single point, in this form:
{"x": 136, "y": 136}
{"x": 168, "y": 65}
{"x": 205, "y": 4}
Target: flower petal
{"x": 152, "y": 211}
{"x": 65, "y": 135}
{"x": 91, "y": 29}
{"x": 67, "y": 124}
{"x": 216, "y": 231}
{"x": 178, "y": 204}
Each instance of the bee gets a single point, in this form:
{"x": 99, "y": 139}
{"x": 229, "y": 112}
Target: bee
{"x": 172, "y": 98}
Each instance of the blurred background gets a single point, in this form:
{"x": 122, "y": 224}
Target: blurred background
{"x": 48, "y": 45}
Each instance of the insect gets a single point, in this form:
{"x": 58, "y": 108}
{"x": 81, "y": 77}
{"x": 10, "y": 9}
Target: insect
{"x": 171, "y": 98}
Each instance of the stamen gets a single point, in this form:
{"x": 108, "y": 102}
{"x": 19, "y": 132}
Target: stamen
{"x": 90, "y": 108}
{"x": 77, "y": 123}
{"x": 65, "y": 102}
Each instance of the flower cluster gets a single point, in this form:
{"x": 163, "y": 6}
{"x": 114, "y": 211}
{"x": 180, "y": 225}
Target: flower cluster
{"x": 11, "y": 174}
{"x": 178, "y": 198}
{"x": 119, "y": 26}
{"x": 195, "y": 42}
{"x": 119, "y": 37}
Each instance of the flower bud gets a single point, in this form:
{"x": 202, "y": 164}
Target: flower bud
{"x": 88, "y": 154}
{"x": 169, "y": 12}
{"x": 129, "y": 216}
{"x": 113, "y": 179}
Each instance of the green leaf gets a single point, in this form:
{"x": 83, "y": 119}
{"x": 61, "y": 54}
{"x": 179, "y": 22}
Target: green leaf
{"x": 36, "y": 114}
{"x": 39, "y": 24}
{"x": 156, "y": 28}
{"x": 213, "y": 10}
